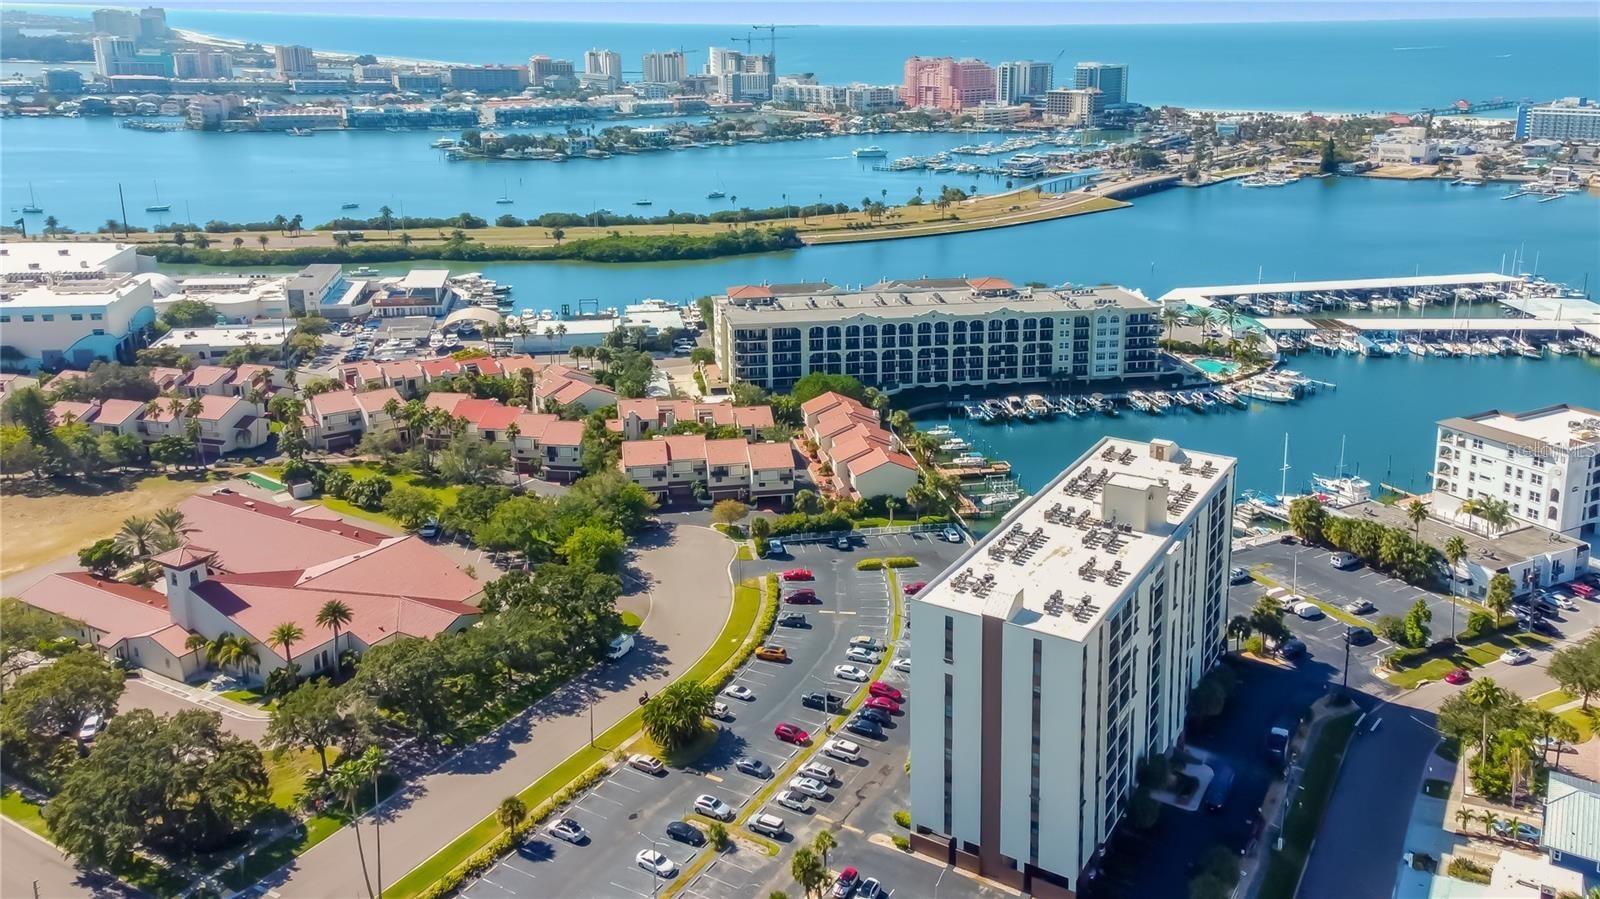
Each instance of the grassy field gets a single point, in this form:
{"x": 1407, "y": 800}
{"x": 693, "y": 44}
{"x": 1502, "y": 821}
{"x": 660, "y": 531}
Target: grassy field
{"x": 1552, "y": 699}
{"x": 51, "y": 525}
{"x": 1466, "y": 655}
{"x": 360, "y": 471}
{"x": 1300, "y": 828}
{"x": 742, "y": 618}
{"x": 14, "y": 806}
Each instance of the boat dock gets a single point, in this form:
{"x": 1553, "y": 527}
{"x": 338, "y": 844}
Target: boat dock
{"x": 1299, "y": 291}
{"x": 996, "y": 468}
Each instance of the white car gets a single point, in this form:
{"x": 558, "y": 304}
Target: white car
{"x": 656, "y": 863}
{"x": 951, "y": 535}
{"x": 740, "y": 692}
{"x": 92, "y": 726}
{"x": 569, "y": 830}
{"x": 902, "y": 664}
{"x": 864, "y": 656}
{"x": 1310, "y": 611}
{"x": 818, "y": 771}
{"x": 842, "y": 749}
{"x": 649, "y": 764}
{"x": 789, "y": 799}
{"x": 850, "y": 672}
{"x": 809, "y": 786}
{"x": 720, "y": 711}
{"x": 712, "y": 807}
{"x": 1563, "y": 602}
{"x": 1516, "y": 655}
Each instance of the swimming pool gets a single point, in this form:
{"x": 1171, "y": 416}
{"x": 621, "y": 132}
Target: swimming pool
{"x": 1216, "y": 366}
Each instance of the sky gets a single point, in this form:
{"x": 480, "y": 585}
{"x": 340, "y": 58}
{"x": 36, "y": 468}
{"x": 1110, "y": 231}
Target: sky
{"x": 906, "y": 12}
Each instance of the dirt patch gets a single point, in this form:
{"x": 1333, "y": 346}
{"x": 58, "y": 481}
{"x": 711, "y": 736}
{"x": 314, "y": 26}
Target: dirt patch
{"x": 47, "y": 525}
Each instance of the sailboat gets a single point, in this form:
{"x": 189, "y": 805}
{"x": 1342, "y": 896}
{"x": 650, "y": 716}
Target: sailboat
{"x": 158, "y": 206}
{"x": 33, "y": 207}
{"x": 718, "y": 193}
{"x": 505, "y": 194}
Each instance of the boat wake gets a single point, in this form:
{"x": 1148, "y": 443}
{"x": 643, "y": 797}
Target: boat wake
{"x": 1412, "y": 49}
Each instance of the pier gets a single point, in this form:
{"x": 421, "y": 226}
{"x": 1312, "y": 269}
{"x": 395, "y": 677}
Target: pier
{"x": 1209, "y": 297}
{"x": 997, "y": 468}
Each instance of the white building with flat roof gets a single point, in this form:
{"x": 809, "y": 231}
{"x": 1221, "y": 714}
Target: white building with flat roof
{"x": 1058, "y": 653}
{"x": 208, "y": 344}
{"x": 238, "y": 299}
{"x": 37, "y": 260}
{"x": 72, "y": 321}
{"x": 1544, "y": 464}
{"x": 934, "y": 332}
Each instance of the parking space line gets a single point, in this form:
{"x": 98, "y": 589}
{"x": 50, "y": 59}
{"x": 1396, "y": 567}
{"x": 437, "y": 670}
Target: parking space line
{"x": 628, "y": 890}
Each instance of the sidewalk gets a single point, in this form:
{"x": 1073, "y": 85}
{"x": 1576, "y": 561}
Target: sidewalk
{"x": 204, "y": 698}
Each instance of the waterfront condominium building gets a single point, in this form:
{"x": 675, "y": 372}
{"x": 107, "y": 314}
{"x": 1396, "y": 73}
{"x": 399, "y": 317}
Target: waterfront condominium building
{"x": 945, "y": 83}
{"x": 1570, "y": 119}
{"x": 73, "y": 321}
{"x": 488, "y": 79}
{"x": 1021, "y": 81}
{"x": 1544, "y": 464}
{"x": 291, "y": 61}
{"x": 204, "y": 64}
{"x": 1110, "y": 77}
{"x": 542, "y": 67}
{"x": 114, "y": 56}
{"x": 667, "y": 67}
{"x": 1058, "y": 653}
{"x": 1077, "y": 108}
{"x": 604, "y": 64}
{"x": 936, "y": 332}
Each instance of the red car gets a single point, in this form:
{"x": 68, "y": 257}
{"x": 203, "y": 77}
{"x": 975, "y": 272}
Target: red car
{"x": 802, "y": 596}
{"x": 884, "y": 703}
{"x": 912, "y": 589}
{"x": 1582, "y": 589}
{"x": 790, "y": 733}
{"x": 879, "y": 688}
{"x": 797, "y": 574}
{"x": 1458, "y": 676}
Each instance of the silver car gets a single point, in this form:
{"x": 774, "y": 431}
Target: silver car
{"x": 809, "y": 786}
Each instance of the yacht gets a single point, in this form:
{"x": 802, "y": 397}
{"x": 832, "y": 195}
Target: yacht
{"x": 954, "y": 445}
{"x": 1144, "y": 403}
{"x": 871, "y": 152}
{"x": 350, "y": 206}
{"x": 1262, "y": 390}
{"x": 715, "y": 195}
{"x": 969, "y": 460}
{"x": 1037, "y": 405}
{"x": 941, "y": 431}
{"x": 642, "y": 202}
{"x": 299, "y": 132}
{"x": 1345, "y": 491}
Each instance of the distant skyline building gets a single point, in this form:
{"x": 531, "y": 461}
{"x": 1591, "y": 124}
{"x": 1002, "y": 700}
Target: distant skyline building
{"x": 1568, "y": 119}
{"x": 291, "y": 61}
{"x": 603, "y": 68}
{"x": 1023, "y": 80}
{"x": 1110, "y": 77}
{"x": 119, "y": 56}
{"x": 488, "y": 79}
{"x": 210, "y": 65}
{"x": 666, "y": 67}
{"x": 116, "y": 22}
{"x": 153, "y": 24}
{"x": 944, "y": 83}
{"x": 1075, "y": 108}
{"x": 542, "y": 67}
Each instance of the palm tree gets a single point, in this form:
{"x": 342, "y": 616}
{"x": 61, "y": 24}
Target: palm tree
{"x": 405, "y": 238}
{"x": 1169, "y": 318}
{"x": 1417, "y": 511}
{"x": 1240, "y": 628}
{"x": 238, "y": 243}
{"x": 890, "y": 504}
{"x": 1488, "y": 820}
{"x": 230, "y": 651}
{"x": 349, "y": 779}
{"x": 169, "y": 522}
{"x": 1465, "y": 817}
{"x": 284, "y": 637}
{"x": 822, "y": 843}
{"x": 195, "y": 642}
{"x": 511, "y": 813}
{"x": 138, "y": 536}
{"x": 1455, "y": 549}
{"x": 263, "y": 240}
{"x": 1561, "y": 733}
{"x": 334, "y": 615}
{"x": 51, "y": 225}
{"x": 550, "y": 338}
{"x": 561, "y": 333}
{"x": 1496, "y": 513}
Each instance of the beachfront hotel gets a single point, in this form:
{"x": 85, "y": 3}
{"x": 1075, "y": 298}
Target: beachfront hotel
{"x": 936, "y": 332}
{"x": 1058, "y": 653}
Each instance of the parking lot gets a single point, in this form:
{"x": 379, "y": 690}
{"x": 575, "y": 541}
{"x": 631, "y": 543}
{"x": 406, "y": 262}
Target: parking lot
{"x": 628, "y": 810}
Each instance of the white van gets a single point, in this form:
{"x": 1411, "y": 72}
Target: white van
{"x": 1307, "y": 610}
{"x": 620, "y": 647}
{"x": 769, "y": 825}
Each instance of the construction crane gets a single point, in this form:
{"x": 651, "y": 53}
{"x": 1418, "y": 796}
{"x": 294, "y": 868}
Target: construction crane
{"x": 772, "y": 41}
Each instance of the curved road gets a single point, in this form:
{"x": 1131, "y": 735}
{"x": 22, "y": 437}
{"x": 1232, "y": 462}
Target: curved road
{"x": 681, "y": 570}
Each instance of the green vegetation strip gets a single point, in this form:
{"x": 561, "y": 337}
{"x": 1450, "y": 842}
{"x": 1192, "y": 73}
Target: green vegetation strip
{"x": 1553, "y": 699}
{"x": 1332, "y": 610}
{"x": 23, "y": 812}
{"x": 451, "y": 864}
{"x": 1284, "y": 865}
{"x": 781, "y": 776}
{"x": 1475, "y": 654}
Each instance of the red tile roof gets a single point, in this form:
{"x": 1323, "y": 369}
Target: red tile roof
{"x": 563, "y": 433}
{"x": 727, "y": 452}
{"x": 206, "y": 375}
{"x": 117, "y": 610}
{"x": 116, "y": 412}
{"x": 406, "y": 566}
{"x": 63, "y": 411}
{"x": 216, "y": 408}
{"x": 334, "y": 402}
{"x": 752, "y": 416}
{"x": 373, "y": 401}
{"x": 445, "y": 401}
{"x": 766, "y": 456}
{"x": 750, "y": 292}
{"x": 259, "y": 535}
{"x": 532, "y": 425}
{"x": 641, "y": 453}
{"x": 257, "y": 608}
{"x": 989, "y": 284}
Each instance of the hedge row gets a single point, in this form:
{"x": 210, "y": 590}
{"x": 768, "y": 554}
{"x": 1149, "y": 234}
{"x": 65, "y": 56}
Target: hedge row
{"x": 488, "y": 856}
{"x": 1410, "y": 657}
{"x": 891, "y": 562}
{"x": 764, "y": 625}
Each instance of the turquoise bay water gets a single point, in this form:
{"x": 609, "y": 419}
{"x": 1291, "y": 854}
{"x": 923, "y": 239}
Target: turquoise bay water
{"x": 1324, "y": 66}
{"x": 1385, "y": 410}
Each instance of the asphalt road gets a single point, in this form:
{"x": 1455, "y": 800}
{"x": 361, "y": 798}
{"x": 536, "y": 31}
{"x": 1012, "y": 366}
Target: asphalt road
{"x": 27, "y": 863}
{"x": 681, "y": 568}
{"x": 628, "y": 811}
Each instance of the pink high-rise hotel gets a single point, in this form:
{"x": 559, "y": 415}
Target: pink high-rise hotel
{"x": 946, "y": 83}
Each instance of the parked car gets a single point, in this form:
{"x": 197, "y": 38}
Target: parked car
{"x": 684, "y": 832}
{"x": 720, "y": 711}
{"x": 1563, "y": 602}
{"x": 1359, "y": 607}
{"x": 810, "y": 786}
{"x": 739, "y": 691}
{"x": 1584, "y": 589}
{"x": 951, "y": 535}
{"x": 797, "y": 574}
{"x": 649, "y": 764}
{"x": 656, "y": 863}
{"x": 866, "y": 727}
{"x": 1309, "y": 611}
{"x": 429, "y": 530}
{"x": 1543, "y": 626}
{"x": 569, "y": 830}
{"x": 842, "y": 749}
{"x": 767, "y": 824}
{"x": 871, "y": 889}
{"x": 775, "y": 548}
{"x": 712, "y": 807}
{"x": 902, "y": 664}
{"x": 770, "y": 653}
{"x": 884, "y": 703}
{"x": 865, "y": 641}
{"x": 753, "y": 767}
{"x": 1291, "y": 650}
{"x": 819, "y": 771}
{"x": 802, "y": 597}
{"x": 1458, "y": 676}
{"x": 91, "y": 728}
{"x": 849, "y": 672}
{"x": 914, "y": 587}
{"x": 1516, "y": 655}
{"x": 846, "y": 885}
{"x": 878, "y": 715}
{"x": 1238, "y": 576}
{"x": 792, "y": 619}
{"x": 1278, "y": 737}
{"x": 791, "y": 733}
{"x": 1358, "y": 636}
{"x": 841, "y": 543}
{"x": 1343, "y": 561}
{"x": 1526, "y": 833}
{"x": 824, "y": 702}
{"x": 879, "y": 688}
{"x": 865, "y": 657}
{"x": 791, "y": 799}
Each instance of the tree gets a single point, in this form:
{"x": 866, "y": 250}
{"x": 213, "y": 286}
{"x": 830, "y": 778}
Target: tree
{"x": 1465, "y": 817}
{"x": 311, "y": 716}
{"x": 284, "y": 637}
{"x": 1239, "y": 628}
{"x": 18, "y": 452}
{"x": 1266, "y": 618}
{"x": 701, "y": 356}
{"x": 1498, "y": 598}
{"x": 1330, "y": 158}
{"x": 350, "y": 780}
{"x": 1307, "y": 516}
{"x": 1417, "y": 512}
{"x": 335, "y": 616}
{"x": 808, "y": 871}
{"x": 190, "y": 314}
{"x": 816, "y": 384}
{"x": 511, "y": 813}
{"x": 729, "y": 511}
{"x": 676, "y": 715}
{"x": 595, "y": 548}
{"x": 411, "y": 506}
{"x": 1455, "y": 549}
{"x": 44, "y": 708}
{"x": 1576, "y": 669}
{"x": 23, "y": 631}
{"x": 179, "y": 783}
{"x": 231, "y": 651}
{"x": 469, "y": 460}
{"x": 823, "y": 843}
{"x": 1416, "y": 624}
{"x": 104, "y": 557}
{"x": 138, "y": 536}
{"x": 717, "y": 835}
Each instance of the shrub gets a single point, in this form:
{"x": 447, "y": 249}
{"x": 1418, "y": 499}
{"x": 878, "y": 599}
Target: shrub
{"x": 761, "y": 547}
{"x": 1255, "y": 645}
{"x": 870, "y": 565}
{"x": 900, "y": 562}
{"x": 903, "y": 818}
{"x": 1468, "y": 870}
{"x": 901, "y": 842}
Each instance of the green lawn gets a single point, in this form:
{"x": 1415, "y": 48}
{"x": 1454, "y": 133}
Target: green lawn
{"x": 631, "y": 621}
{"x": 1554, "y": 698}
{"x": 287, "y": 772}
{"x": 1300, "y": 828}
{"x": 1580, "y": 720}
{"x": 1466, "y": 655}
{"x": 14, "y": 806}
{"x": 741, "y": 619}
{"x": 445, "y": 493}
